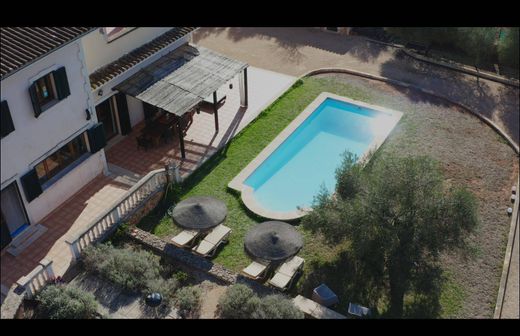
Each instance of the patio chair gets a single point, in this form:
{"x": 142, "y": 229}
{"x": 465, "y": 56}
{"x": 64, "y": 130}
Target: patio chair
{"x": 357, "y": 310}
{"x": 209, "y": 244}
{"x": 256, "y": 270}
{"x": 286, "y": 273}
{"x": 143, "y": 142}
{"x": 186, "y": 238}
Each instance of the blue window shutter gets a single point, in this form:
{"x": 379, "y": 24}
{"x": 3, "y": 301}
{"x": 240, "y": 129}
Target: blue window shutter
{"x": 62, "y": 83}
{"x": 34, "y": 99}
{"x": 96, "y": 137}
{"x": 31, "y": 185}
{"x": 7, "y": 125}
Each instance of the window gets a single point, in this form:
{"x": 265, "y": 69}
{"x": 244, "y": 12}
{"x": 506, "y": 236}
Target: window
{"x": 112, "y": 33}
{"x": 61, "y": 159}
{"x": 48, "y": 90}
{"x": 45, "y": 92}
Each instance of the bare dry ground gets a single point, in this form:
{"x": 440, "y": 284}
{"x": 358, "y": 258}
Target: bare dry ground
{"x": 471, "y": 154}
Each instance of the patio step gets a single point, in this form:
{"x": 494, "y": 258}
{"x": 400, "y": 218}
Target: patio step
{"x": 26, "y": 238}
{"x": 123, "y": 175}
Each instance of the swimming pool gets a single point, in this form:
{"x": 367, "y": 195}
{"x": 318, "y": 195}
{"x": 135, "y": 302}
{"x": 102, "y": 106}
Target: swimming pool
{"x": 281, "y": 182}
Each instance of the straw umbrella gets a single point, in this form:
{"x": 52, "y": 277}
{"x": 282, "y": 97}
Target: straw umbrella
{"x": 199, "y": 213}
{"x": 273, "y": 240}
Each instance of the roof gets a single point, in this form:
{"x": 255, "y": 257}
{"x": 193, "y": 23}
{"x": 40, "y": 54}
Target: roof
{"x": 181, "y": 79}
{"x": 111, "y": 70}
{"x": 20, "y": 46}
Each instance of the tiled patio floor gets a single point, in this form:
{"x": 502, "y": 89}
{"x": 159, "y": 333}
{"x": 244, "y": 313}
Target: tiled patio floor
{"x": 201, "y": 141}
{"x": 69, "y": 218}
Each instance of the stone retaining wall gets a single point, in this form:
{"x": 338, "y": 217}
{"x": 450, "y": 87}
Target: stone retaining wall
{"x": 192, "y": 261}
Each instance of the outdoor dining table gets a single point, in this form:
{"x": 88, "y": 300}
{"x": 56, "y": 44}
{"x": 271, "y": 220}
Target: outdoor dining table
{"x": 155, "y": 130}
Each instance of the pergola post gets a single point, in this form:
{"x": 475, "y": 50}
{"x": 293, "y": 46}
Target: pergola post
{"x": 181, "y": 137}
{"x": 242, "y": 83}
{"x": 215, "y": 110}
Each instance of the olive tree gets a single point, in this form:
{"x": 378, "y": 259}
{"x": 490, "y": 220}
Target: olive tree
{"x": 398, "y": 216}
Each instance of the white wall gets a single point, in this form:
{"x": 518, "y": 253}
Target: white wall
{"x": 35, "y": 138}
{"x": 65, "y": 187}
{"x": 135, "y": 109}
{"x": 99, "y": 53}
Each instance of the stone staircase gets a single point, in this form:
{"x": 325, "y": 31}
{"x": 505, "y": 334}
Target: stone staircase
{"x": 26, "y": 238}
{"x": 123, "y": 175}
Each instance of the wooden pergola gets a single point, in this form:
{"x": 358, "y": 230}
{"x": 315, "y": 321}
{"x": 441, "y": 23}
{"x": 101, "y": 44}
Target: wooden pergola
{"x": 180, "y": 80}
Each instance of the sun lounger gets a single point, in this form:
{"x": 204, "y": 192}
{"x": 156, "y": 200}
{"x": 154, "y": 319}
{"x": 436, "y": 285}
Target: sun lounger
{"x": 286, "y": 273}
{"x": 185, "y": 238}
{"x": 256, "y": 270}
{"x": 208, "y": 246}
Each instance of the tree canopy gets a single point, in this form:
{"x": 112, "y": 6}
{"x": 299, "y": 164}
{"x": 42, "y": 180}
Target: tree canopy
{"x": 398, "y": 216}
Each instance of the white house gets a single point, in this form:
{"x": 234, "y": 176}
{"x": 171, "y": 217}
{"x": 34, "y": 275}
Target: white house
{"x": 59, "y": 110}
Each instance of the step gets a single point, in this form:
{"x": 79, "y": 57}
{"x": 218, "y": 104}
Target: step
{"x": 123, "y": 175}
{"x": 26, "y": 238}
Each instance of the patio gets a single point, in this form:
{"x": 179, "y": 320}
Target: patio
{"x": 201, "y": 141}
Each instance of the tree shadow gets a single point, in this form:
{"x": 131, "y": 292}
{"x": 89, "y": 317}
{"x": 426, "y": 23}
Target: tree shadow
{"x": 425, "y": 300}
{"x": 291, "y": 39}
{"x": 487, "y": 98}
{"x": 349, "y": 280}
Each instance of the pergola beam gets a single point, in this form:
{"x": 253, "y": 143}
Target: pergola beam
{"x": 215, "y": 110}
{"x": 181, "y": 138}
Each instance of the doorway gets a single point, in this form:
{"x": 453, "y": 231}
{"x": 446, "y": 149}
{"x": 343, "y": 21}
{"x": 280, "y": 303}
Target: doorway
{"x": 105, "y": 114}
{"x": 13, "y": 217}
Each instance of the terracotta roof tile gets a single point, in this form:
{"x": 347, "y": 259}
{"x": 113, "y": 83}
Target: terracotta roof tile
{"x": 19, "y": 46}
{"x": 109, "y": 71}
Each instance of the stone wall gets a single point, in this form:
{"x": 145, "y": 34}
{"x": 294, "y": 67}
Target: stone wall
{"x": 192, "y": 261}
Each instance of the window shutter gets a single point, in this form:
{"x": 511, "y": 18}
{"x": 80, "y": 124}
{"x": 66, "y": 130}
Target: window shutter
{"x": 7, "y": 125}
{"x": 62, "y": 84}
{"x": 5, "y": 234}
{"x": 124, "y": 116}
{"x": 96, "y": 137}
{"x": 34, "y": 98}
{"x": 31, "y": 185}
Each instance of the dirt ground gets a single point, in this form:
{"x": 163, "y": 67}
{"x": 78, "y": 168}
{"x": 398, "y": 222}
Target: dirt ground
{"x": 471, "y": 155}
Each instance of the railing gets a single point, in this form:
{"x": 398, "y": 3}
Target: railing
{"x": 37, "y": 279}
{"x": 117, "y": 212}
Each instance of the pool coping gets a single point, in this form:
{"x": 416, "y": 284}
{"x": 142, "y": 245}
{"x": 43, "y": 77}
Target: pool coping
{"x": 237, "y": 183}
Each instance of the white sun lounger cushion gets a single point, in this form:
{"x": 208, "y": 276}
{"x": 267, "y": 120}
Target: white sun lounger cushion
{"x": 291, "y": 266}
{"x": 185, "y": 237}
{"x": 254, "y": 269}
{"x": 213, "y": 239}
{"x": 280, "y": 280}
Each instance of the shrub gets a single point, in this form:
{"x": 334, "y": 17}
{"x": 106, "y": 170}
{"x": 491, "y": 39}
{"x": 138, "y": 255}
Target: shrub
{"x": 240, "y": 302}
{"x": 234, "y": 304}
{"x": 182, "y": 277}
{"x": 166, "y": 288}
{"x": 127, "y": 268}
{"x": 188, "y": 301}
{"x": 276, "y": 307}
{"x": 66, "y": 302}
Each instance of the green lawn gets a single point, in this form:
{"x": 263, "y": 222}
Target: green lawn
{"x": 212, "y": 178}
{"x": 322, "y": 260}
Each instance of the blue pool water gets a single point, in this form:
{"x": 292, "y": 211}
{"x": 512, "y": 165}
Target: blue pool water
{"x": 293, "y": 174}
